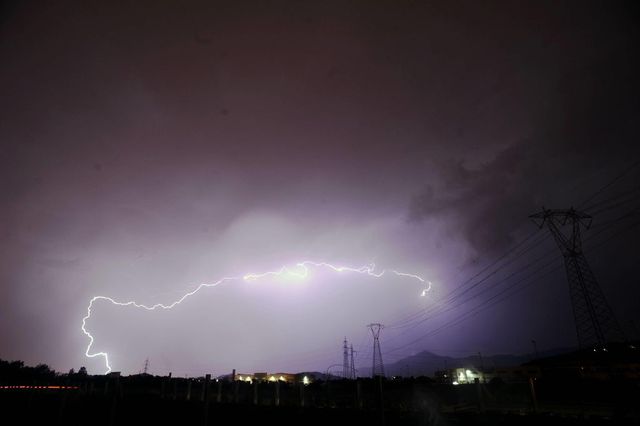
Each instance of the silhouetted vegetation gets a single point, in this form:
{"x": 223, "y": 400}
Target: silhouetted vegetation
{"x": 15, "y": 372}
{"x": 145, "y": 399}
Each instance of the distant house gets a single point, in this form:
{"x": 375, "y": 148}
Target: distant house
{"x": 471, "y": 374}
{"x": 282, "y": 377}
{"x": 616, "y": 361}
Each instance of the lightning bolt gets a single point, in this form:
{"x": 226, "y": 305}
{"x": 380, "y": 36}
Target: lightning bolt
{"x": 301, "y": 271}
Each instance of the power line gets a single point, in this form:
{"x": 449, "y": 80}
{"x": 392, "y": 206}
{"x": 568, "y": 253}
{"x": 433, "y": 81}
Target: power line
{"x": 610, "y": 184}
{"x": 613, "y": 206}
{"x": 495, "y": 298}
{"x": 605, "y": 205}
{"x": 624, "y": 194}
{"x": 407, "y": 321}
{"x": 485, "y": 304}
{"x": 452, "y": 296}
{"x": 504, "y": 280}
{"x": 417, "y": 317}
{"x": 447, "y": 304}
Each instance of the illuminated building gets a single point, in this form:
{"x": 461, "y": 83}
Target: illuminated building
{"x": 273, "y": 377}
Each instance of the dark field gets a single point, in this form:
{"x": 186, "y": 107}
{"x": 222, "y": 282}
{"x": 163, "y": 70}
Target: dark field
{"x": 148, "y": 400}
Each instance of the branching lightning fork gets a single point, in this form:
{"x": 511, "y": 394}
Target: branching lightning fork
{"x": 301, "y": 271}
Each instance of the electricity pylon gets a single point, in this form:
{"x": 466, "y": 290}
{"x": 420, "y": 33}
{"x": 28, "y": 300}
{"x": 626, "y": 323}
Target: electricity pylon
{"x": 352, "y": 365}
{"x": 378, "y": 366}
{"x": 595, "y": 321}
{"x": 345, "y": 360}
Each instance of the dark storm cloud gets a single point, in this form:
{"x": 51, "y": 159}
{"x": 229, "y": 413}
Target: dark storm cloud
{"x": 582, "y": 122}
{"x": 151, "y": 145}
{"x": 486, "y": 205}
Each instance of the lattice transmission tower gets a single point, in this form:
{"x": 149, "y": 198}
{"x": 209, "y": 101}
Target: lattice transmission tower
{"x": 352, "y": 365}
{"x": 345, "y": 361}
{"x": 595, "y": 322}
{"x": 378, "y": 366}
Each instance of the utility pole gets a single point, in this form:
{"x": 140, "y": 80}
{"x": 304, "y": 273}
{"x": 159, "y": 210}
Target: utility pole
{"x": 535, "y": 348}
{"x": 378, "y": 367}
{"x": 634, "y": 330}
{"x": 353, "y": 365}
{"x": 345, "y": 360}
{"x": 482, "y": 372}
{"x": 596, "y": 324}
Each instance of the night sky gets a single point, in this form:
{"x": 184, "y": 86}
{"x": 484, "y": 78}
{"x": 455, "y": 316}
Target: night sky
{"x": 148, "y": 147}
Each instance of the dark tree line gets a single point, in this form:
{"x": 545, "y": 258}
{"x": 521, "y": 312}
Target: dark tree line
{"x": 15, "y": 372}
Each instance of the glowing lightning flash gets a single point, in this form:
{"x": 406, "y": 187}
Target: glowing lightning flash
{"x": 302, "y": 271}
